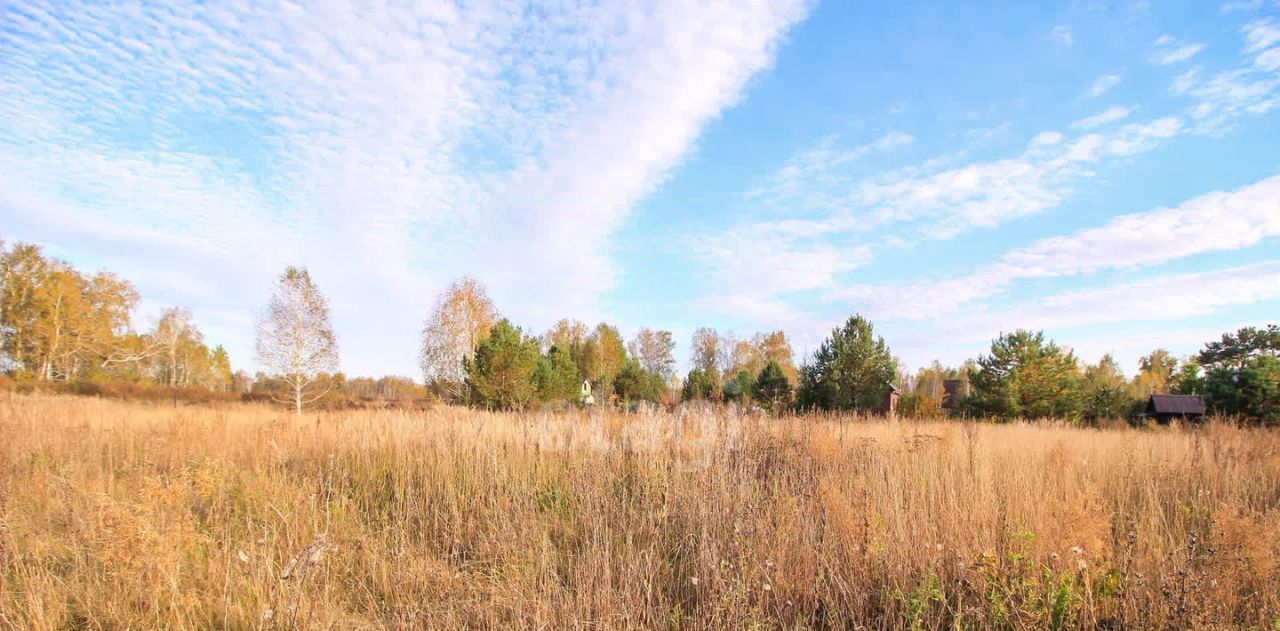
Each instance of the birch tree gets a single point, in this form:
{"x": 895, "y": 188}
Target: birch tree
{"x": 295, "y": 339}
{"x": 173, "y": 329}
{"x": 655, "y": 350}
{"x": 462, "y": 318}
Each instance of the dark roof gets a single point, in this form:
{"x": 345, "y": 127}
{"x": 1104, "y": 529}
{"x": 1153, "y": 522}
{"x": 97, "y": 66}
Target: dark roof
{"x": 1175, "y": 404}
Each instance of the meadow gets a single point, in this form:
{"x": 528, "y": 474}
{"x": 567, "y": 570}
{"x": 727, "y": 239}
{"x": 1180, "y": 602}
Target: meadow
{"x": 227, "y": 515}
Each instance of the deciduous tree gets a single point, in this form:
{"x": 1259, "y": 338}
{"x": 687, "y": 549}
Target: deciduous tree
{"x": 1106, "y": 394}
{"x": 655, "y": 350}
{"x": 706, "y": 356}
{"x": 568, "y": 334}
{"x": 774, "y": 347}
{"x": 604, "y": 356}
{"x": 174, "y": 332}
{"x": 462, "y": 318}
{"x": 55, "y": 322}
{"x": 1155, "y": 372}
{"x": 295, "y": 339}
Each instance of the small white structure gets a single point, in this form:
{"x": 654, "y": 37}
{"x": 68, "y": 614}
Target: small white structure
{"x": 586, "y": 397}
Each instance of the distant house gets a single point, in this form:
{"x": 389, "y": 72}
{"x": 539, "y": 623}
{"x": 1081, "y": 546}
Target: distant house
{"x": 1164, "y": 408}
{"x": 889, "y": 403}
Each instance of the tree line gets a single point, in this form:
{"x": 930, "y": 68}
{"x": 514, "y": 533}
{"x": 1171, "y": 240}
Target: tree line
{"x": 474, "y": 356}
{"x": 1026, "y": 375}
{"x": 58, "y": 324}
{"x": 471, "y": 354}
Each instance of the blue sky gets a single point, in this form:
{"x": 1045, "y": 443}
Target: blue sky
{"x": 1109, "y": 172}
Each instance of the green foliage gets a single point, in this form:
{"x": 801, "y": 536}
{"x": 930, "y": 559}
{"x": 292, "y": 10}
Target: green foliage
{"x": 634, "y": 383}
{"x": 1236, "y": 349}
{"x": 1027, "y": 377}
{"x": 1188, "y": 379}
{"x": 57, "y": 323}
{"x": 772, "y": 387}
{"x": 697, "y": 386}
{"x": 741, "y": 388}
{"x": 850, "y": 371}
{"x": 1156, "y": 372}
{"x": 557, "y": 376}
{"x": 221, "y": 367}
{"x": 603, "y": 355}
{"x": 1251, "y": 390}
{"x": 924, "y": 599}
{"x": 60, "y": 324}
{"x": 1105, "y": 393}
{"x": 1242, "y": 374}
{"x": 501, "y": 374}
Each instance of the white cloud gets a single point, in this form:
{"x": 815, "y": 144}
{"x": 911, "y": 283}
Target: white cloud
{"x": 938, "y": 199}
{"x": 930, "y": 201}
{"x": 1169, "y": 50}
{"x": 1217, "y": 221}
{"x": 1224, "y": 96}
{"x": 1242, "y": 5}
{"x": 822, "y": 162}
{"x": 387, "y": 147}
{"x": 1261, "y": 35}
{"x": 1164, "y": 298}
{"x": 1109, "y": 115}
{"x": 1061, "y": 35}
{"x": 1101, "y": 86}
{"x": 1046, "y": 139}
{"x": 1214, "y": 222}
{"x": 753, "y": 265}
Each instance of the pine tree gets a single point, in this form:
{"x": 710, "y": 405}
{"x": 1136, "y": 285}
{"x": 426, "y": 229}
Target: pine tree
{"x": 1027, "y": 377}
{"x": 501, "y": 375}
{"x": 772, "y": 387}
{"x": 850, "y": 371}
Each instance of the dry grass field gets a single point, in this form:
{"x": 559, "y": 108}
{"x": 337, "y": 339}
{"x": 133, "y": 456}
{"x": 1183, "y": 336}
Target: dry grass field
{"x": 127, "y": 515}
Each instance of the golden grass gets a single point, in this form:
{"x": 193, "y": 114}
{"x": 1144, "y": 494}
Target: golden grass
{"x": 128, "y": 515}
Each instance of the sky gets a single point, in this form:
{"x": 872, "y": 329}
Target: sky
{"x": 1107, "y": 172}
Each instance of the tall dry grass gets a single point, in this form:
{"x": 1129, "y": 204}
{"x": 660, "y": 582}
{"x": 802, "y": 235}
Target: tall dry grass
{"x": 131, "y": 515}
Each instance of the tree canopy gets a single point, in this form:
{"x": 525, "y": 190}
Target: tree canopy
{"x": 1236, "y": 349}
{"x": 462, "y": 317}
{"x": 296, "y": 341}
{"x": 851, "y": 370}
{"x": 655, "y": 351}
{"x": 1026, "y": 376}
{"x": 501, "y": 371}
{"x": 772, "y": 387}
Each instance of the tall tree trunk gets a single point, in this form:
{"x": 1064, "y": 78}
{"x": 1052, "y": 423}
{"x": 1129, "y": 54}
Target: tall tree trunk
{"x": 297, "y": 398}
